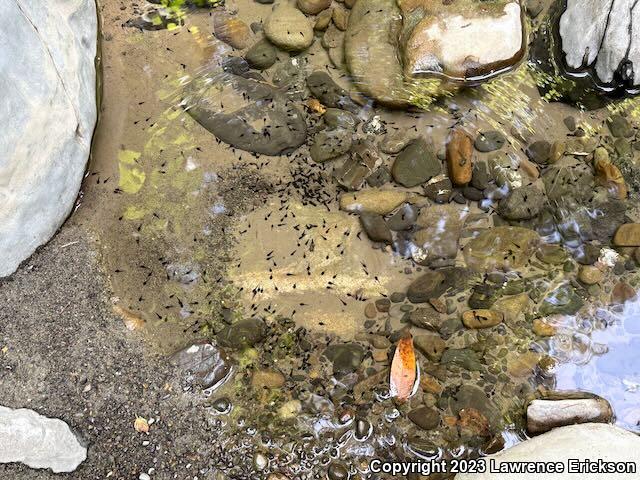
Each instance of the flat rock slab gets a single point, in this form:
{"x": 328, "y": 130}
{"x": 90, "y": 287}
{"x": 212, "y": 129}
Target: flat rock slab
{"x": 590, "y": 441}
{"x": 603, "y": 35}
{"x": 38, "y": 442}
{"x": 247, "y": 114}
{"x": 48, "y": 113}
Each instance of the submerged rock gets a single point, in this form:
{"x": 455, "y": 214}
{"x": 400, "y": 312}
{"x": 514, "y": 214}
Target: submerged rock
{"x": 38, "y": 441}
{"x": 243, "y": 333}
{"x": 330, "y": 144}
{"x": 288, "y": 28}
{"x": 416, "y": 164}
{"x": 371, "y": 51}
{"x": 521, "y": 204}
{"x": 330, "y": 93}
{"x": 463, "y": 40}
{"x": 501, "y": 247}
{"x": 207, "y": 365}
{"x": 248, "y": 114}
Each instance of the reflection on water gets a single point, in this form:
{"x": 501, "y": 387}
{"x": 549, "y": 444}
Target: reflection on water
{"x": 599, "y": 354}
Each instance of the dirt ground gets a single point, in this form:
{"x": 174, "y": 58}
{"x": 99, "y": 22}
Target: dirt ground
{"x": 64, "y": 354}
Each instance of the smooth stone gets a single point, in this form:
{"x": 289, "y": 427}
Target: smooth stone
{"x": 551, "y": 254}
{"x": 584, "y": 441}
{"x": 346, "y": 357}
{"x": 313, "y": 7}
{"x": 330, "y": 144}
{"x": 489, "y": 141}
{"x": 381, "y": 176}
{"x": 460, "y": 157}
{"x": 562, "y": 300}
{"x": 472, "y": 193}
{"x": 590, "y": 275}
{"x": 329, "y": 92}
{"x": 539, "y": 152}
{"x": 231, "y": 30}
{"x": 543, "y": 328}
{"x": 476, "y": 319}
{"x": 262, "y": 55}
{"x": 467, "y": 41}
{"x": 431, "y": 345}
{"x": 425, "y": 417}
{"x": 376, "y": 228}
{"x": 371, "y": 55}
{"x": 425, "y": 317}
{"x": 38, "y": 441}
{"x": 513, "y": 307}
{"x": 393, "y": 142}
{"x": 48, "y": 113}
{"x": 545, "y": 415}
{"x": 619, "y": 126}
{"x": 267, "y": 379}
{"x": 337, "y": 118}
{"x": 463, "y": 358}
{"x": 243, "y": 333}
{"x": 480, "y": 175}
{"x": 434, "y": 283}
{"x": 373, "y": 200}
{"x": 323, "y": 20}
{"x": 429, "y": 285}
{"x": 242, "y": 125}
{"x": 522, "y": 203}
{"x": 416, "y": 164}
{"x": 383, "y": 305}
{"x": 440, "y": 228}
{"x": 501, "y": 247}
{"x": 288, "y": 28}
{"x": 207, "y": 365}
{"x": 404, "y": 218}
{"x": 340, "y": 18}
{"x": 628, "y": 235}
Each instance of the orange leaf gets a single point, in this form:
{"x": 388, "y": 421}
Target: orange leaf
{"x": 403, "y": 369}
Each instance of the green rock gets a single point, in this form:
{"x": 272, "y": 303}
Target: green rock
{"x": 563, "y": 300}
{"x": 416, "y": 164}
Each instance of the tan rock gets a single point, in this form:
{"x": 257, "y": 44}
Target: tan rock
{"x": 590, "y": 275}
{"x": 481, "y": 318}
{"x": 340, "y": 18}
{"x": 609, "y": 176}
{"x": 231, "y": 30}
{"x": 622, "y": 293}
{"x": 628, "y": 235}
{"x": 313, "y": 7}
{"x": 267, "y": 379}
{"x": 501, "y": 248}
{"x": 543, "y": 329}
{"x": 373, "y": 200}
{"x": 460, "y": 157}
{"x": 544, "y": 415}
{"x": 513, "y": 307}
{"x": 429, "y": 384}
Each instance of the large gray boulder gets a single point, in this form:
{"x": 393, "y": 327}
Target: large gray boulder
{"x": 38, "y": 442}
{"x": 603, "y": 35}
{"x": 47, "y": 113}
{"x": 588, "y": 441}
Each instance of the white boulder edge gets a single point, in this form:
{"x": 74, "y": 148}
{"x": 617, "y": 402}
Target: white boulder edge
{"x": 587, "y": 441}
{"x": 48, "y": 114}
{"x": 38, "y": 442}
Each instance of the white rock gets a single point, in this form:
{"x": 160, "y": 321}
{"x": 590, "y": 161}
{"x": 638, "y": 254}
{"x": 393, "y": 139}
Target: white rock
{"x": 38, "y": 442}
{"x": 47, "y": 113}
{"x": 543, "y": 415}
{"x": 602, "y": 34}
{"x": 591, "y": 441}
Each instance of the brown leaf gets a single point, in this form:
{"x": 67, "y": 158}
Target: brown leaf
{"x": 403, "y": 369}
